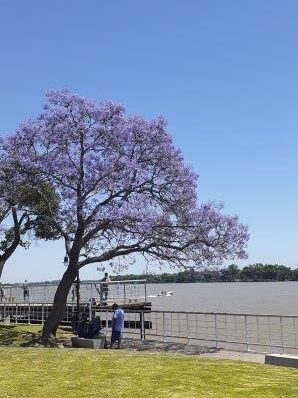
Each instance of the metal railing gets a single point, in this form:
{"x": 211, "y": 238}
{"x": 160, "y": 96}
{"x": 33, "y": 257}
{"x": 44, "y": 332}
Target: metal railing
{"x": 241, "y": 332}
{"x": 121, "y": 291}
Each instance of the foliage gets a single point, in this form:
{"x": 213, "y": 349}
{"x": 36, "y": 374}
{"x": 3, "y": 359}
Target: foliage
{"x": 232, "y": 273}
{"x": 123, "y": 189}
{"x": 121, "y": 184}
{"x": 18, "y": 209}
{"x": 261, "y": 272}
{"x": 294, "y": 275}
{"x": 12, "y": 226}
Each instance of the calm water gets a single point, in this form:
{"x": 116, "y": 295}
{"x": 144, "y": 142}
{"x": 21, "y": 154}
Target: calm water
{"x": 279, "y": 298}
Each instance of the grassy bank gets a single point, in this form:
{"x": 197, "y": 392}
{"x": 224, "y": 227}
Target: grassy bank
{"x": 52, "y": 373}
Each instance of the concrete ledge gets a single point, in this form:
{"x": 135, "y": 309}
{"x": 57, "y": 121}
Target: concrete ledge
{"x": 81, "y": 342}
{"x": 282, "y": 360}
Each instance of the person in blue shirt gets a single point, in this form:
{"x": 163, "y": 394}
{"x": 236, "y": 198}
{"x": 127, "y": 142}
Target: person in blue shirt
{"x": 117, "y": 325}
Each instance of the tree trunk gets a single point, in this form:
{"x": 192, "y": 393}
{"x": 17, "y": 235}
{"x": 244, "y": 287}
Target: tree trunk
{"x": 59, "y": 304}
{"x": 2, "y": 263}
{"x": 14, "y": 244}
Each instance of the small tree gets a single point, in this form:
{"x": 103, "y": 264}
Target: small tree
{"x": 123, "y": 189}
{"x": 13, "y": 227}
{"x": 18, "y": 209}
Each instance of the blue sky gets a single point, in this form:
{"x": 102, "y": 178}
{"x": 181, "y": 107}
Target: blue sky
{"x": 224, "y": 74}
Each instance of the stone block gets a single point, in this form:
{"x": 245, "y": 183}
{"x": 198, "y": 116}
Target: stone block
{"x": 282, "y": 360}
{"x": 81, "y": 342}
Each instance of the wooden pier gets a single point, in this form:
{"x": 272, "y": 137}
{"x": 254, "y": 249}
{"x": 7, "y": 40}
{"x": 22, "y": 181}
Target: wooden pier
{"x": 37, "y": 313}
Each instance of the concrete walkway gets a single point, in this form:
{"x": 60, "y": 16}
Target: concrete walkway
{"x": 210, "y": 352}
{"x": 237, "y": 356}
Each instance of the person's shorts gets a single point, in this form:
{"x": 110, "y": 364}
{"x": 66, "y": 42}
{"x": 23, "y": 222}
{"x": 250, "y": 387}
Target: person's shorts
{"x": 116, "y": 336}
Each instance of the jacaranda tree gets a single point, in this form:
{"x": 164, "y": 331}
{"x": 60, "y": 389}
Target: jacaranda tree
{"x": 122, "y": 187}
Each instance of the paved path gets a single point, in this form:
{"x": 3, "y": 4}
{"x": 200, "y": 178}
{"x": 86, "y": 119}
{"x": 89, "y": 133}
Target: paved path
{"x": 210, "y": 352}
{"x": 237, "y": 355}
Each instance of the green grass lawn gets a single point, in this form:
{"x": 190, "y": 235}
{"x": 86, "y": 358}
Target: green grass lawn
{"x": 52, "y": 373}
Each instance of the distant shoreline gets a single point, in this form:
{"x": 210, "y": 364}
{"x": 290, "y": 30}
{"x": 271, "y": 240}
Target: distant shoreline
{"x": 55, "y": 282}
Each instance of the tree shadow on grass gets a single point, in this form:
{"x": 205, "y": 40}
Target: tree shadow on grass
{"x": 10, "y": 335}
{"x": 34, "y": 340}
{"x": 15, "y": 336}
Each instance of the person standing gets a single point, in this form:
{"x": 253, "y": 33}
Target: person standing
{"x": 117, "y": 325}
{"x": 26, "y": 292}
{"x": 73, "y": 294}
{"x": 2, "y": 293}
{"x": 104, "y": 288}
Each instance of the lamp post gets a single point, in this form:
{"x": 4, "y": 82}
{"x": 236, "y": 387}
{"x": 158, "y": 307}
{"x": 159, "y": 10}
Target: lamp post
{"x": 65, "y": 262}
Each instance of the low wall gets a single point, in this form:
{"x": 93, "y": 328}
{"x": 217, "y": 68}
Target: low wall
{"x": 81, "y": 342}
{"x": 282, "y": 360}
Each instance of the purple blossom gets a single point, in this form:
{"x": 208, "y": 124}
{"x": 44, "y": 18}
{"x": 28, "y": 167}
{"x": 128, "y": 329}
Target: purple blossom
{"x": 121, "y": 183}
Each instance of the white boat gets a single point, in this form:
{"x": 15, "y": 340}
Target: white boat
{"x": 166, "y": 293}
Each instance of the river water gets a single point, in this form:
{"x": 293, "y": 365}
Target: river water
{"x": 279, "y": 298}
{"x": 270, "y": 298}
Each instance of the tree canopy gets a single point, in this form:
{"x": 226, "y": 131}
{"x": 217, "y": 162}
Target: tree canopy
{"x": 232, "y": 273}
{"x": 122, "y": 188}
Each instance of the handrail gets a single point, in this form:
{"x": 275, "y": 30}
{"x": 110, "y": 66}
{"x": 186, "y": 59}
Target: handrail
{"x": 82, "y": 282}
{"x": 227, "y": 313}
{"x": 277, "y": 331}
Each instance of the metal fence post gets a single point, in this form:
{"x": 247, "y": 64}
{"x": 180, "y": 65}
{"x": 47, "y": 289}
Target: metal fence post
{"x": 295, "y": 331}
{"x": 107, "y": 322}
{"x": 216, "y": 332}
{"x": 145, "y": 286}
{"x": 42, "y": 313}
{"x": 29, "y": 313}
{"x": 142, "y": 325}
{"x": 187, "y": 328}
{"x": 163, "y": 326}
{"x": 246, "y": 332}
{"x": 90, "y": 310}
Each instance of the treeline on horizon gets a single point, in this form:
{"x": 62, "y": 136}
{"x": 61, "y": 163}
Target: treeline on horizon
{"x": 249, "y": 273}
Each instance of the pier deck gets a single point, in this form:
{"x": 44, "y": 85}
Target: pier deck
{"x": 37, "y": 313}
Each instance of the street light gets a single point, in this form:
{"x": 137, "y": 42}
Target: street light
{"x": 65, "y": 262}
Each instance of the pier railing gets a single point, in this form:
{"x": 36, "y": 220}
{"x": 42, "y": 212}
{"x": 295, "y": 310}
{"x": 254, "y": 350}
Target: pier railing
{"x": 121, "y": 291}
{"x": 243, "y": 332}
{"x": 240, "y": 332}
